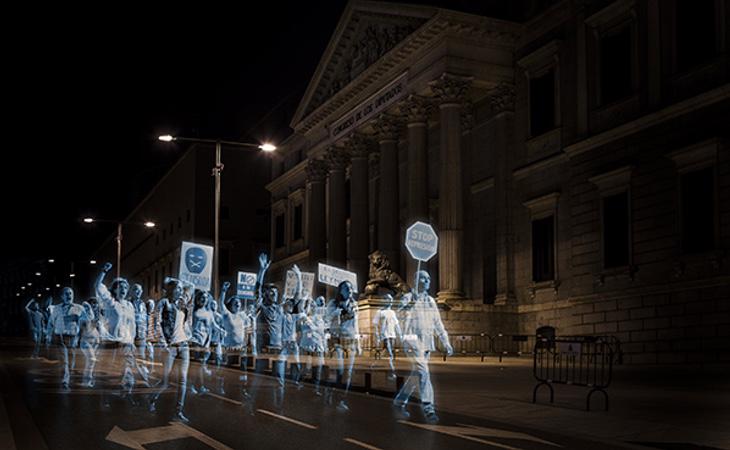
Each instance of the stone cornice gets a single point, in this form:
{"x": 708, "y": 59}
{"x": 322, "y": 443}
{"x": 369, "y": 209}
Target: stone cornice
{"x": 281, "y": 182}
{"x": 450, "y": 89}
{"x": 670, "y": 112}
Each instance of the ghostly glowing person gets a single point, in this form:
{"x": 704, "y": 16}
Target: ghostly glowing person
{"x": 387, "y": 328}
{"x": 421, "y": 323}
{"x": 342, "y": 317}
{"x": 64, "y": 323}
{"x": 89, "y": 339}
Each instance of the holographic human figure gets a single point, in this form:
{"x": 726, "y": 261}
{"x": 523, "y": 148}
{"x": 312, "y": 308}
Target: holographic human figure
{"x": 64, "y": 323}
{"x": 216, "y": 341}
{"x": 174, "y": 318}
{"x": 120, "y": 328}
{"x": 342, "y": 316}
{"x": 35, "y": 322}
{"x": 422, "y": 322}
{"x": 387, "y": 328}
{"x": 89, "y": 339}
{"x": 313, "y": 339}
{"x": 203, "y": 326}
{"x": 292, "y": 315}
{"x": 141, "y": 320}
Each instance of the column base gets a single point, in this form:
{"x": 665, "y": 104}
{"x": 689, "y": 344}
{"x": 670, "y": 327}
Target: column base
{"x": 505, "y": 299}
{"x": 449, "y": 295}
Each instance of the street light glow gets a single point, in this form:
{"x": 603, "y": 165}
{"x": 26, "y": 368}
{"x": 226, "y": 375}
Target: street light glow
{"x": 48, "y": 289}
{"x": 72, "y": 275}
{"x": 267, "y": 147}
{"x": 51, "y": 261}
{"x": 30, "y": 284}
{"x": 166, "y": 138}
{"x": 92, "y": 262}
{"x": 22, "y": 287}
{"x": 149, "y": 224}
{"x": 88, "y": 220}
{"x": 37, "y": 274}
{"x": 58, "y": 285}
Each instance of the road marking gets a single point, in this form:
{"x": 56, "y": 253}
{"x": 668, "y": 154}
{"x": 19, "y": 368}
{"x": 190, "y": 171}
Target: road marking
{"x": 362, "y": 444}
{"x": 149, "y": 363}
{"x": 288, "y": 419}
{"x": 225, "y": 399}
{"x": 176, "y": 430}
{"x": 469, "y": 431}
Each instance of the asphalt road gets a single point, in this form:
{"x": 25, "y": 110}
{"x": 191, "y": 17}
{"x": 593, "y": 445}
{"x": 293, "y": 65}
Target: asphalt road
{"x": 41, "y": 414}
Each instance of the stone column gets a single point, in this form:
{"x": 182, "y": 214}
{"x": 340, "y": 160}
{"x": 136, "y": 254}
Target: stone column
{"x": 337, "y": 221}
{"x": 359, "y": 148}
{"x": 417, "y": 110}
{"x": 450, "y": 92}
{"x": 316, "y": 220}
{"x": 502, "y": 100}
{"x": 388, "y": 200}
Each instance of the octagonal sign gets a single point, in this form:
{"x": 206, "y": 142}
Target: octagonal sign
{"x": 421, "y": 241}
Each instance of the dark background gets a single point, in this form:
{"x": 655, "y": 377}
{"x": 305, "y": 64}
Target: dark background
{"x": 88, "y": 91}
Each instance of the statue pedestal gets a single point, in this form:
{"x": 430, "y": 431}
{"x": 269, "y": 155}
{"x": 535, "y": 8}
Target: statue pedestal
{"x": 367, "y": 308}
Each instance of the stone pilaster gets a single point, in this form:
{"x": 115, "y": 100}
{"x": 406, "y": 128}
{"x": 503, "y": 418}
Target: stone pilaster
{"x": 502, "y": 99}
{"x": 450, "y": 92}
{"x": 359, "y": 148}
{"x": 316, "y": 219}
{"x": 337, "y": 160}
{"x": 388, "y": 130}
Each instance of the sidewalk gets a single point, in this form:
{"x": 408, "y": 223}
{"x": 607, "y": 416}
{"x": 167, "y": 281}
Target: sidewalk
{"x": 657, "y": 406}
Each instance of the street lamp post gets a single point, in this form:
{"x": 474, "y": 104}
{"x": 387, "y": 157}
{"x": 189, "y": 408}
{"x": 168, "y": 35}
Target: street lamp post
{"x": 266, "y": 147}
{"x": 118, "y": 237}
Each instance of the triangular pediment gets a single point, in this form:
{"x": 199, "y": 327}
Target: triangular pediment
{"x": 367, "y": 30}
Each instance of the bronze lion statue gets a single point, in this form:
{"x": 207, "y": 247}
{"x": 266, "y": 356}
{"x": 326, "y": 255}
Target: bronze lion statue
{"x": 382, "y": 277}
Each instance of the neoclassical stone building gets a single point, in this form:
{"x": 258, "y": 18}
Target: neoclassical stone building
{"x": 575, "y": 165}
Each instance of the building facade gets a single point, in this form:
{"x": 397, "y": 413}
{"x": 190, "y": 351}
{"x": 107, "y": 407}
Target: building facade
{"x": 575, "y": 165}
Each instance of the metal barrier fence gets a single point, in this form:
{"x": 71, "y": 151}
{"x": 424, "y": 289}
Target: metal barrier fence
{"x": 575, "y": 360}
{"x": 513, "y": 345}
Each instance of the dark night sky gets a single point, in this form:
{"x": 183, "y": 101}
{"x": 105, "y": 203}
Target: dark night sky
{"x": 88, "y": 92}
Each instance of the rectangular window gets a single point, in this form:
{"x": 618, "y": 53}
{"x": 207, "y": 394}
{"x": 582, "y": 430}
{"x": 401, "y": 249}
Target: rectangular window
{"x": 542, "y": 103}
{"x": 279, "y": 231}
{"x": 698, "y": 211}
{"x": 695, "y": 32}
{"x": 543, "y": 249}
{"x": 616, "y": 65}
{"x": 616, "y": 230}
{"x": 297, "y": 231}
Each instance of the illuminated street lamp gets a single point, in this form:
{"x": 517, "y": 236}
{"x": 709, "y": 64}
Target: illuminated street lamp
{"x": 118, "y": 238}
{"x": 265, "y": 147}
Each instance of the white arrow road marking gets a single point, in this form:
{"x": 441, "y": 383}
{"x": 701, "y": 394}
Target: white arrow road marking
{"x": 362, "y": 444}
{"x": 469, "y": 431}
{"x": 137, "y": 438}
{"x": 288, "y": 419}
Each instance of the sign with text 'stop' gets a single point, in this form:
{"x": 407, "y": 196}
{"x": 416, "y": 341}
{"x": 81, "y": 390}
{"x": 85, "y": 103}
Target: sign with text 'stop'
{"x": 196, "y": 264}
{"x": 421, "y": 241}
{"x": 333, "y": 276}
{"x": 246, "y": 285}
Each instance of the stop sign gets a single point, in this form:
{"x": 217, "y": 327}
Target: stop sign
{"x": 421, "y": 241}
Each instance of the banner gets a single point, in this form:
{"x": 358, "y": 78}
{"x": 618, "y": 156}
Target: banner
{"x": 246, "y": 285}
{"x": 333, "y": 276}
{"x": 196, "y": 264}
{"x": 291, "y": 284}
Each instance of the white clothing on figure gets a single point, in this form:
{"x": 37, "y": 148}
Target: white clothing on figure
{"x": 119, "y": 314}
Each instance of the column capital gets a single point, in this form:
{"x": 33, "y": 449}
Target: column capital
{"x": 387, "y": 127}
{"x": 316, "y": 170}
{"x": 502, "y": 98}
{"x": 467, "y": 117}
{"x": 416, "y": 108}
{"x": 337, "y": 158}
{"x": 359, "y": 145}
{"x": 374, "y": 162}
{"x": 450, "y": 89}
